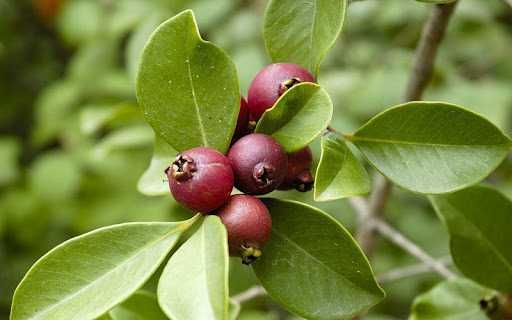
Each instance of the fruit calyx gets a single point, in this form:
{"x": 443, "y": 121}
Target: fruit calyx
{"x": 263, "y": 173}
{"x": 249, "y": 254}
{"x": 182, "y": 168}
{"x": 287, "y": 84}
{"x": 304, "y": 181}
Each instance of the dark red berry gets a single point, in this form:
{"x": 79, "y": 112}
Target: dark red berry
{"x": 271, "y": 82}
{"x": 248, "y": 224}
{"x": 298, "y": 175}
{"x": 201, "y": 179}
{"x": 242, "y": 123}
{"x": 258, "y": 162}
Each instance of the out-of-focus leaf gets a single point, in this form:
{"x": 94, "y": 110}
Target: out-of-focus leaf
{"x": 451, "y": 300}
{"x": 53, "y": 107}
{"x": 55, "y": 177}
{"x": 154, "y": 181}
{"x": 96, "y": 117}
{"x": 124, "y": 138}
{"x": 137, "y": 42}
{"x": 9, "y": 152}
{"x": 80, "y": 21}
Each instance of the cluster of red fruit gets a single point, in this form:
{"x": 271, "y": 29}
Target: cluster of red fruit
{"x": 202, "y": 178}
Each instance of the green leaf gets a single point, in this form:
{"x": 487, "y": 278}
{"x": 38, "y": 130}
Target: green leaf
{"x": 432, "y": 147}
{"x": 302, "y": 31}
{"x": 194, "y": 284}
{"x": 188, "y": 87}
{"x": 154, "y": 181}
{"x": 141, "y": 305}
{"x": 451, "y": 300}
{"x": 479, "y": 220}
{"x": 86, "y": 276}
{"x": 339, "y": 174}
{"x": 62, "y": 170}
{"x": 298, "y": 117}
{"x": 313, "y": 267}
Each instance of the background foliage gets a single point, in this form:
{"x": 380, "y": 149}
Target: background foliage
{"x": 73, "y": 143}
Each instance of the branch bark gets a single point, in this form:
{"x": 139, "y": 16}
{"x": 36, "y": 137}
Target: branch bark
{"x": 411, "y": 248}
{"x": 426, "y": 52}
{"x": 421, "y": 74}
{"x": 249, "y": 294}
{"x": 410, "y": 271}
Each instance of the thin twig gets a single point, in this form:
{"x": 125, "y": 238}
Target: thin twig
{"x": 426, "y": 52}
{"x": 377, "y": 224}
{"x": 410, "y": 271}
{"x": 375, "y": 207}
{"x": 411, "y": 248}
{"x": 249, "y": 294}
{"x": 421, "y": 74}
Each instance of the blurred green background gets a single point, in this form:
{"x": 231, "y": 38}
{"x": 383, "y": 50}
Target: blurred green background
{"x": 73, "y": 143}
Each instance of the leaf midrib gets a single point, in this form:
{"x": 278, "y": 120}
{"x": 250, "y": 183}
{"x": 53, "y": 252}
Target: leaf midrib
{"x": 311, "y": 34}
{"x": 126, "y": 261}
{"x": 196, "y": 105}
{"x": 356, "y": 139}
{"x": 318, "y": 261}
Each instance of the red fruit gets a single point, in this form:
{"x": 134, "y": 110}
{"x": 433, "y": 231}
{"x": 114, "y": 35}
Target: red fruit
{"x": 248, "y": 224}
{"x": 242, "y": 123}
{"x": 298, "y": 175}
{"x": 258, "y": 162}
{"x": 201, "y": 179}
{"x": 271, "y": 82}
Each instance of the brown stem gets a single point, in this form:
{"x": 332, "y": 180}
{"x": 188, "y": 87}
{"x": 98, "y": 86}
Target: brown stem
{"x": 421, "y": 74}
{"x": 426, "y": 52}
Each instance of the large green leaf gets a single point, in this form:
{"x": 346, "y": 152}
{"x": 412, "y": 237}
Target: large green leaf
{"x": 339, "y": 173}
{"x": 432, "y": 147}
{"x": 298, "y": 117}
{"x": 479, "y": 220}
{"x": 302, "y": 31}
{"x": 188, "y": 87}
{"x": 154, "y": 181}
{"x": 141, "y": 305}
{"x": 86, "y": 276}
{"x": 457, "y": 299}
{"x": 194, "y": 284}
{"x": 313, "y": 267}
